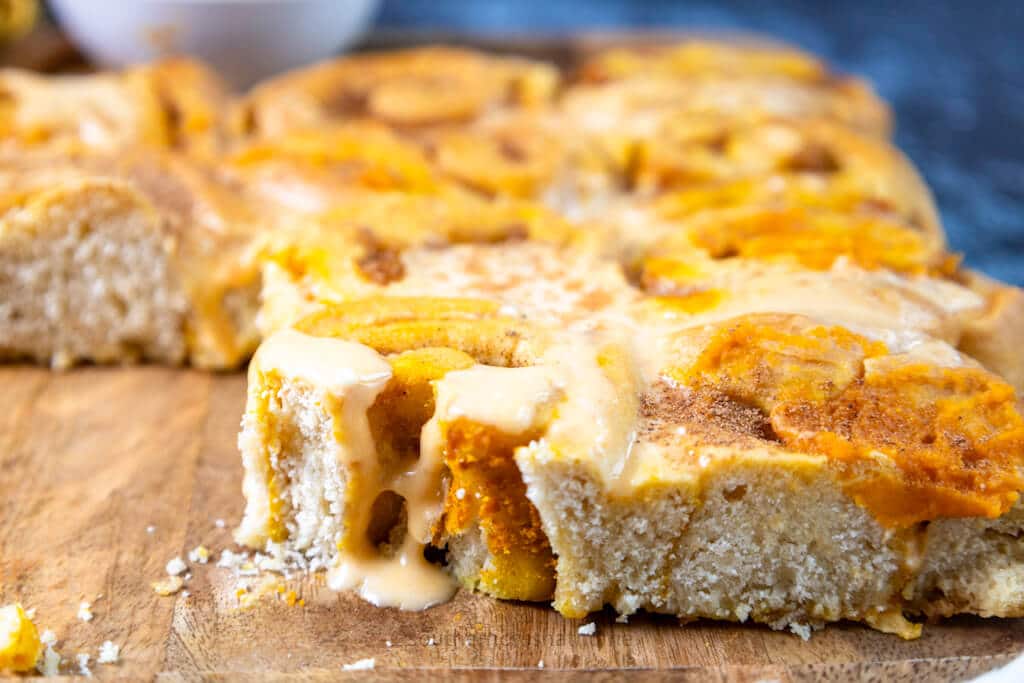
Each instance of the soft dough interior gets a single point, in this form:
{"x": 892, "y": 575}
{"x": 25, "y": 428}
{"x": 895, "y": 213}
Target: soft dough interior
{"x": 86, "y": 275}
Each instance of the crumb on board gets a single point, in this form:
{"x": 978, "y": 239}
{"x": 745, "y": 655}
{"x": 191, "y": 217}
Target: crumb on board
{"x": 176, "y": 566}
{"x": 110, "y": 653}
{"x": 802, "y": 630}
{"x": 232, "y": 560}
{"x": 83, "y": 664}
{"x": 85, "y": 611}
{"x": 360, "y": 665}
{"x": 249, "y": 595}
{"x": 150, "y": 529}
{"x": 264, "y": 573}
{"x": 200, "y": 554}
{"x": 168, "y": 586}
{"x": 587, "y": 629}
{"x": 219, "y": 523}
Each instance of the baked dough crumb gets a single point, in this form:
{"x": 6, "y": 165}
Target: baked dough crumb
{"x": 587, "y": 629}
{"x": 802, "y": 630}
{"x": 232, "y": 560}
{"x": 110, "y": 653}
{"x": 83, "y": 664}
{"x": 360, "y": 665}
{"x": 168, "y": 586}
{"x": 85, "y": 611}
{"x": 176, "y": 566}
{"x": 199, "y": 554}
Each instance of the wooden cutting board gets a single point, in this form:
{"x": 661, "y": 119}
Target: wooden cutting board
{"x": 92, "y": 457}
{"x": 89, "y": 459}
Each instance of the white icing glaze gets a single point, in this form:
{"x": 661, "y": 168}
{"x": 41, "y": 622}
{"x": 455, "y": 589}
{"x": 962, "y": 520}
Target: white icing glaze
{"x": 512, "y": 400}
{"x": 342, "y": 368}
{"x": 406, "y": 581}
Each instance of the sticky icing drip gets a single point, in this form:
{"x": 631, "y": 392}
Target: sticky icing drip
{"x": 353, "y": 376}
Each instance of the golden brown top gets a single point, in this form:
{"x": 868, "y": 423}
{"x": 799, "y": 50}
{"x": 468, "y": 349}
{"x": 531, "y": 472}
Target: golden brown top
{"x": 405, "y": 88}
{"x": 637, "y": 105}
{"x": 909, "y": 439}
{"x": 704, "y": 58}
{"x": 807, "y": 161}
{"x": 813, "y": 238}
{"x": 170, "y": 104}
{"x": 870, "y": 388}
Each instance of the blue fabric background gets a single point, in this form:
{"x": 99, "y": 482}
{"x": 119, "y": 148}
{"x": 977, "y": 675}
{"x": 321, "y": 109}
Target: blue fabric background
{"x": 953, "y": 71}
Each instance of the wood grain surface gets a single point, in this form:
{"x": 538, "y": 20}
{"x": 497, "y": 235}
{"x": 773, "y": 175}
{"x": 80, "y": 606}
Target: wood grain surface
{"x": 91, "y": 457}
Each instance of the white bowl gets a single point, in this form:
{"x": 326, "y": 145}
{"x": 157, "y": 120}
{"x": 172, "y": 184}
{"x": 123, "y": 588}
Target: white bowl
{"x": 244, "y": 40}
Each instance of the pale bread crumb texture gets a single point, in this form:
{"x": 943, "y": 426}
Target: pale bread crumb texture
{"x": 313, "y": 499}
{"x": 754, "y": 548}
{"x": 972, "y": 565}
{"x": 85, "y": 275}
